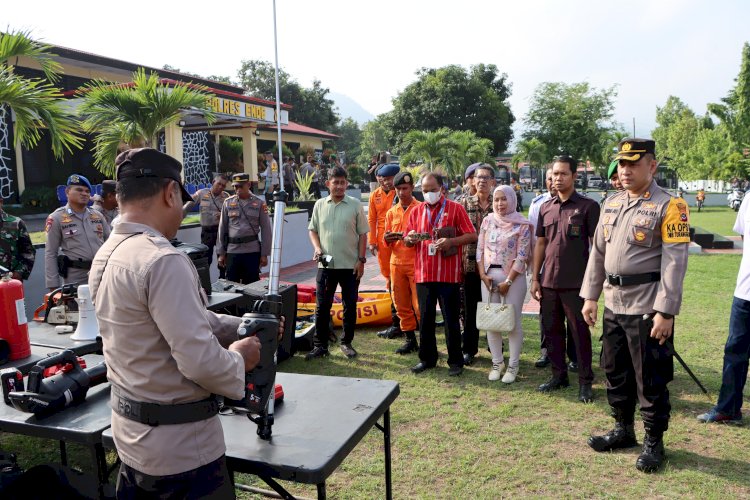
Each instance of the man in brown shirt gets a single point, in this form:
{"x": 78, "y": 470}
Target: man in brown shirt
{"x": 564, "y": 230}
{"x": 165, "y": 352}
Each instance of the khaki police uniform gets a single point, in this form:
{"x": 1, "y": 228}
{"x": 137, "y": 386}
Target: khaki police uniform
{"x": 161, "y": 346}
{"x": 109, "y": 215}
{"x": 638, "y": 259}
{"x": 79, "y": 237}
{"x": 244, "y": 236}
{"x": 210, "y": 214}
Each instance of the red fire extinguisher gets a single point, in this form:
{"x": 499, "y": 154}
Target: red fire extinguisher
{"x": 14, "y": 330}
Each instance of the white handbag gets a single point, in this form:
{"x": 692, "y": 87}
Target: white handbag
{"x": 496, "y": 317}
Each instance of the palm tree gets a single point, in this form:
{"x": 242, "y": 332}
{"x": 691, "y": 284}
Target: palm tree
{"x": 135, "y": 113}
{"x": 36, "y": 103}
{"x": 466, "y": 148}
{"x": 429, "y": 146}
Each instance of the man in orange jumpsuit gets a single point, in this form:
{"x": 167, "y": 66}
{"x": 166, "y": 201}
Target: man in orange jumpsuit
{"x": 403, "y": 287}
{"x": 381, "y": 200}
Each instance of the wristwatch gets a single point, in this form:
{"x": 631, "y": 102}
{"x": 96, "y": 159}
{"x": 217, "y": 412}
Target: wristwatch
{"x": 666, "y": 316}
{"x": 363, "y": 259}
{"x": 508, "y": 281}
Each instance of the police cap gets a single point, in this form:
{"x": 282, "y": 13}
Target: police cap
{"x": 403, "y": 178}
{"x": 148, "y": 162}
{"x": 633, "y": 149}
{"x": 108, "y": 187}
{"x": 79, "y": 180}
{"x": 241, "y": 177}
{"x": 388, "y": 170}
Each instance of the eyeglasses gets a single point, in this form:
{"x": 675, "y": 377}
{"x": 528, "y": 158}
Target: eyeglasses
{"x": 482, "y": 178}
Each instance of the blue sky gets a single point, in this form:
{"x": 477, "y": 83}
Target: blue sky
{"x": 369, "y": 51}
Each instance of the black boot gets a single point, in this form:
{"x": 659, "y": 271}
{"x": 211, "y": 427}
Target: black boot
{"x": 391, "y": 332}
{"x": 652, "y": 456}
{"x": 410, "y": 345}
{"x": 622, "y": 436}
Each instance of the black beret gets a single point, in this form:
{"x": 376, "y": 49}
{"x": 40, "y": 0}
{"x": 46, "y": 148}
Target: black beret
{"x": 403, "y": 178}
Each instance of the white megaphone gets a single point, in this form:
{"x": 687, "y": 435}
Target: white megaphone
{"x": 88, "y": 326}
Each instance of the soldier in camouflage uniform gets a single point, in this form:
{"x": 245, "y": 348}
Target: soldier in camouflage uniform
{"x": 16, "y": 251}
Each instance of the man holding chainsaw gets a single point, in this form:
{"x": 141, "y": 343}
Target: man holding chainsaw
{"x": 166, "y": 354}
{"x": 638, "y": 258}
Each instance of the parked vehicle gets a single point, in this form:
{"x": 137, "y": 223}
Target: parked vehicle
{"x": 735, "y": 199}
{"x": 595, "y": 182}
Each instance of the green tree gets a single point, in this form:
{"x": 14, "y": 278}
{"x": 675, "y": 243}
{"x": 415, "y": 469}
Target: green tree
{"x": 215, "y": 78}
{"x": 445, "y": 149}
{"x": 457, "y": 99}
{"x": 571, "y": 119}
{"x": 532, "y": 151}
{"x": 135, "y": 113}
{"x": 310, "y": 106}
{"x": 374, "y": 139}
{"x": 734, "y": 110}
{"x": 350, "y": 138}
{"x": 426, "y": 146}
{"x": 36, "y": 103}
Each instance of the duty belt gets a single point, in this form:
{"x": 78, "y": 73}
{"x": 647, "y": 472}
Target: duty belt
{"x": 154, "y": 414}
{"x": 633, "y": 279}
{"x": 210, "y": 229}
{"x": 243, "y": 239}
{"x": 79, "y": 263}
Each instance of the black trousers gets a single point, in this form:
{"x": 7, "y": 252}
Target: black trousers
{"x": 570, "y": 348}
{"x": 428, "y": 295}
{"x": 208, "y": 238}
{"x": 208, "y": 481}
{"x": 243, "y": 267}
{"x": 557, "y": 305}
{"x": 327, "y": 281}
{"x": 637, "y": 368}
{"x": 472, "y": 295}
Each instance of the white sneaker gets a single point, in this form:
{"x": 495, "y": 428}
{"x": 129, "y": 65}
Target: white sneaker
{"x": 510, "y": 375}
{"x": 495, "y": 372}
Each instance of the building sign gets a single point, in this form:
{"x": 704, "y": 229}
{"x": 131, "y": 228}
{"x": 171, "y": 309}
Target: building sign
{"x": 239, "y": 109}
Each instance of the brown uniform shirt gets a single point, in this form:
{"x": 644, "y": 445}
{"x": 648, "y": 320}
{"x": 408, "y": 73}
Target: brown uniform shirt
{"x": 635, "y": 236}
{"x": 210, "y": 206}
{"x": 567, "y": 227}
{"x": 240, "y": 218}
{"x": 162, "y": 346}
{"x": 77, "y": 236}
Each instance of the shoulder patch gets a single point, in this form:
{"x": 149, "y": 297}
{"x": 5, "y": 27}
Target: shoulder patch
{"x": 675, "y": 228}
{"x": 48, "y": 224}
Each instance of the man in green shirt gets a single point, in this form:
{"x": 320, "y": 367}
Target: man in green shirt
{"x": 16, "y": 251}
{"x": 338, "y": 232}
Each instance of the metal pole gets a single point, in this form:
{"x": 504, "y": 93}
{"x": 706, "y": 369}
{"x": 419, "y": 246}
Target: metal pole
{"x": 279, "y": 201}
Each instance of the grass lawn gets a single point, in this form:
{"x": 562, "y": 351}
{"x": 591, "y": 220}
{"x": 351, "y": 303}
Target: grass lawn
{"x": 470, "y": 438}
{"x": 719, "y": 220}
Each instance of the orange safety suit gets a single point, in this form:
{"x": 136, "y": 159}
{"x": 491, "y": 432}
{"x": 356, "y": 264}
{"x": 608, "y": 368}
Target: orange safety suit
{"x": 403, "y": 287}
{"x": 380, "y": 203}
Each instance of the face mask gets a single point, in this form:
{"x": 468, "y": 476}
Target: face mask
{"x": 432, "y": 198}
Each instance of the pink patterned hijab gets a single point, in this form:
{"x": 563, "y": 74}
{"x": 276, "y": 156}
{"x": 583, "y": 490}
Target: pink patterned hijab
{"x": 511, "y": 217}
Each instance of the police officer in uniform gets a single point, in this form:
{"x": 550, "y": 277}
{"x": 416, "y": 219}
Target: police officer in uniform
{"x": 16, "y": 250}
{"x": 639, "y": 259}
{"x": 76, "y": 230}
{"x": 106, "y": 204}
{"x": 244, "y": 241}
{"x": 211, "y": 199}
{"x": 166, "y": 353}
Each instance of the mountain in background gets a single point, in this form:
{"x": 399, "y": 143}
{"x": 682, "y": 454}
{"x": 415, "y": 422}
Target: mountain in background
{"x": 349, "y": 108}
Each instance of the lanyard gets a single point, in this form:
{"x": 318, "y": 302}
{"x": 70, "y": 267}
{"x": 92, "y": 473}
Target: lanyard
{"x": 432, "y": 221}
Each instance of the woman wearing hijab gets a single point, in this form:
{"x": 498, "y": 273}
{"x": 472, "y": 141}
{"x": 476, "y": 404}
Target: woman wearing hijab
{"x": 503, "y": 251}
